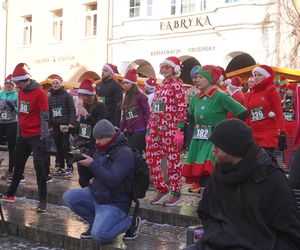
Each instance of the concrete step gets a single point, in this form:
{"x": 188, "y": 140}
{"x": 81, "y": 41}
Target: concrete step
{"x": 61, "y": 228}
{"x": 184, "y": 214}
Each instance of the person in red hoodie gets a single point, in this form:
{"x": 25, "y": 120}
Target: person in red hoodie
{"x": 234, "y": 88}
{"x": 264, "y": 106}
{"x": 33, "y": 133}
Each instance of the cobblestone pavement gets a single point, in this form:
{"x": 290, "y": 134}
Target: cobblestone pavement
{"x": 11, "y": 242}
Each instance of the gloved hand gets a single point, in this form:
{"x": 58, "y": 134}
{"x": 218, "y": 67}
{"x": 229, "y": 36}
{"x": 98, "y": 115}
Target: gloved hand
{"x": 11, "y": 105}
{"x": 282, "y": 141}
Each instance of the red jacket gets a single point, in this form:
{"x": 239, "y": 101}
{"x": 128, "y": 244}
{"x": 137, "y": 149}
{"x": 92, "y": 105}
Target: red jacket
{"x": 31, "y": 102}
{"x": 297, "y": 116}
{"x": 266, "y": 117}
{"x": 239, "y": 97}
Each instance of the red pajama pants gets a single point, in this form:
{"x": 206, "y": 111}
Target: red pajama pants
{"x": 158, "y": 146}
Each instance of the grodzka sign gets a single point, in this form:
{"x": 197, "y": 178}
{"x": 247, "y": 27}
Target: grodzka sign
{"x": 185, "y": 23}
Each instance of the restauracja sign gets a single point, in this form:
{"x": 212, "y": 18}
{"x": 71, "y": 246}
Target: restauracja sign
{"x": 185, "y": 23}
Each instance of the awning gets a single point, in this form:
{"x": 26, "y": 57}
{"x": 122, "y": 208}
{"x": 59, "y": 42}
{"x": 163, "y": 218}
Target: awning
{"x": 290, "y": 74}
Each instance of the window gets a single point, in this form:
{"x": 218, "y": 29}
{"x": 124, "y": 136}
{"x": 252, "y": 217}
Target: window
{"x": 27, "y": 30}
{"x": 173, "y": 7}
{"x": 57, "y": 25}
{"x": 187, "y": 6}
{"x": 202, "y": 5}
{"x": 91, "y": 20}
{"x": 149, "y": 7}
{"x": 134, "y": 8}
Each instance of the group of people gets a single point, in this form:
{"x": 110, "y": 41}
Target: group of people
{"x": 230, "y": 138}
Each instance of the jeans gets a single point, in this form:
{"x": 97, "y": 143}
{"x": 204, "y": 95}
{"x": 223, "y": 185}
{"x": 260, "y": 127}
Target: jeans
{"x": 106, "y": 221}
{"x": 24, "y": 148}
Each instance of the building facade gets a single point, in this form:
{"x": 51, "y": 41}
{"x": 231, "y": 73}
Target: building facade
{"x": 75, "y": 38}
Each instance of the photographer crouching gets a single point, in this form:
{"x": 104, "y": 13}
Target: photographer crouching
{"x": 106, "y": 202}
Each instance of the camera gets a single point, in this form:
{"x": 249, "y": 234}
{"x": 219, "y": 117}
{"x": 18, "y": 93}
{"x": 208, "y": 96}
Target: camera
{"x": 75, "y": 156}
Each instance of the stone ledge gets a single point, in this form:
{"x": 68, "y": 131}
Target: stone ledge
{"x": 61, "y": 228}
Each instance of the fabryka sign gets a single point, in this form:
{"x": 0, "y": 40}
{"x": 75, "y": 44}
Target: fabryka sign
{"x": 185, "y": 23}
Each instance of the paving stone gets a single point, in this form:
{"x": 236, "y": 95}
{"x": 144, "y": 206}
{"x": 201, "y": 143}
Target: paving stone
{"x": 61, "y": 228}
{"x": 184, "y": 214}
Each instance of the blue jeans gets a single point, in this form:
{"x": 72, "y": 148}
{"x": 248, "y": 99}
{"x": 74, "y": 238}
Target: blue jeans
{"x": 107, "y": 221}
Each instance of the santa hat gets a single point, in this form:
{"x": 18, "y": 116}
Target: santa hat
{"x": 174, "y": 62}
{"x": 236, "y": 81}
{"x": 113, "y": 69}
{"x": 150, "y": 84}
{"x": 130, "y": 77}
{"x": 264, "y": 70}
{"x": 9, "y": 80}
{"x": 57, "y": 79}
{"x": 223, "y": 74}
{"x": 20, "y": 73}
{"x": 211, "y": 73}
{"x": 87, "y": 87}
{"x": 292, "y": 86}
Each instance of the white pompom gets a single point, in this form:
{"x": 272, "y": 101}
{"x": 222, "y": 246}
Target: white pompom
{"x": 94, "y": 85}
{"x": 271, "y": 114}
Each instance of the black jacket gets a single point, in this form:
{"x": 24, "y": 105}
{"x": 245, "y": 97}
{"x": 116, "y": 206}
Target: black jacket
{"x": 61, "y": 107}
{"x": 87, "y": 144}
{"x": 113, "y": 95}
{"x": 249, "y": 206}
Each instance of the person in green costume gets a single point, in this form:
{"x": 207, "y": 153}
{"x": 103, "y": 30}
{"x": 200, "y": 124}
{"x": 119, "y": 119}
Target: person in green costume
{"x": 206, "y": 109}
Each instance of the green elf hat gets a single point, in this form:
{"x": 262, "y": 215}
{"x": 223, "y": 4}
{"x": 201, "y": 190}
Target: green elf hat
{"x": 210, "y": 72}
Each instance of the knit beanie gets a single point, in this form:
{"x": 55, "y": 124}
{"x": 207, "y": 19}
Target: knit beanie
{"x": 232, "y": 136}
{"x": 104, "y": 129}
{"x": 210, "y": 72}
{"x": 194, "y": 71}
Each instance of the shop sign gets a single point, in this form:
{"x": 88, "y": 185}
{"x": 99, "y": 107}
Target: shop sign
{"x": 185, "y": 23}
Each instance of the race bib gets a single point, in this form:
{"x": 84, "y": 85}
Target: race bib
{"x": 6, "y": 115}
{"x": 56, "y": 112}
{"x": 158, "y": 107}
{"x": 101, "y": 99}
{"x": 131, "y": 113}
{"x": 24, "y": 107}
{"x": 85, "y": 130}
{"x": 202, "y": 132}
{"x": 289, "y": 116}
{"x": 257, "y": 114}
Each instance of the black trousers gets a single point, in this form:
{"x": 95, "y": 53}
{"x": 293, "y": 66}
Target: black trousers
{"x": 10, "y": 131}
{"x": 23, "y": 150}
{"x": 137, "y": 140}
{"x": 62, "y": 142}
{"x": 294, "y": 176}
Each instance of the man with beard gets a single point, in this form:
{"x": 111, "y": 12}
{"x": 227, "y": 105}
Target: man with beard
{"x": 110, "y": 93}
{"x": 247, "y": 203}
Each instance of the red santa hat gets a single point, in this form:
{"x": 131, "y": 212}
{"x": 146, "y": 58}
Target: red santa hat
{"x": 113, "y": 69}
{"x": 150, "y": 84}
{"x": 9, "y": 80}
{"x": 131, "y": 77}
{"x": 174, "y": 62}
{"x": 223, "y": 74}
{"x": 264, "y": 70}
{"x": 87, "y": 87}
{"x": 292, "y": 86}
{"x": 20, "y": 73}
{"x": 58, "y": 79}
{"x": 236, "y": 81}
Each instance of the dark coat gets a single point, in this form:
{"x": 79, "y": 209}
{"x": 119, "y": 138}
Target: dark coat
{"x": 61, "y": 107}
{"x": 88, "y": 144}
{"x": 112, "y": 93}
{"x": 249, "y": 206}
{"x": 113, "y": 176}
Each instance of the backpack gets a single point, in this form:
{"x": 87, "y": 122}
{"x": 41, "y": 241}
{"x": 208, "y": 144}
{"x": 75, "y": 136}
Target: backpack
{"x": 140, "y": 175}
